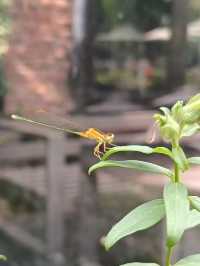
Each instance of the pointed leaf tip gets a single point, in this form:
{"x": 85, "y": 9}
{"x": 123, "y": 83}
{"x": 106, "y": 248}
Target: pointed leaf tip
{"x": 13, "y": 116}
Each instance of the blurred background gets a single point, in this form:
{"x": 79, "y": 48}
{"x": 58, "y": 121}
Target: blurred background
{"x": 103, "y": 63}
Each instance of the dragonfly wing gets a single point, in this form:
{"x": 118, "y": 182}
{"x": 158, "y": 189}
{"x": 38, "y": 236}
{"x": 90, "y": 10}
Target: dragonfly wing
{"x": 51, "y": 119}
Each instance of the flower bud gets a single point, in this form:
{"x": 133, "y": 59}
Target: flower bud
{"x": 181, "y": 121}
{"x": 169, "y": 128}
{"x": 177, "y": 112}
{"x": 192, "y": 110}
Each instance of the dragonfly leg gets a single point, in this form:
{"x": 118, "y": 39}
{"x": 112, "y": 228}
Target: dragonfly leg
{"x": 108, "y": 148}
{"x": 104, "y": 147}
{"x": 97, "y": 152}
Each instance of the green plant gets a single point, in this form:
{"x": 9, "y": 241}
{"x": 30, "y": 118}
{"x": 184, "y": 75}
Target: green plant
{"x": 3, "y": 85}
{"x": 180, "y": 210}
{"x": 5, "y": 28}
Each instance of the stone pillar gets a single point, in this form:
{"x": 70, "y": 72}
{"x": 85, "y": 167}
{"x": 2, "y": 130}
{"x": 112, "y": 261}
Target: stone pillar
{"x": 38, "y": 60}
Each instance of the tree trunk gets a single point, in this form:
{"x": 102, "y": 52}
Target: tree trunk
{"x": 85, "y": 31}
{"x": 177, "y": 53}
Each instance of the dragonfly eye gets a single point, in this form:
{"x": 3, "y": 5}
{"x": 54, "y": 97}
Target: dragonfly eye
{"x": 110, "y": 137}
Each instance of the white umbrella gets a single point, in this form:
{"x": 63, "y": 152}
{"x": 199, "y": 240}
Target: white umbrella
{"x": 124, "y": 33}
{"x": 158, "y": 34}
{"x": 194, "y": 29}
{"x": 194, "y": 24}
{"x": 164, "y": 33}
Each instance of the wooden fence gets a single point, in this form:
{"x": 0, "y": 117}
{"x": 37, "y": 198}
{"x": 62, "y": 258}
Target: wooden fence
{"x": 64, "y": 181}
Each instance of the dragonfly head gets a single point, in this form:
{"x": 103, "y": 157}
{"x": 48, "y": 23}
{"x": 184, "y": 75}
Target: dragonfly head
{"x": 109, "y": 137}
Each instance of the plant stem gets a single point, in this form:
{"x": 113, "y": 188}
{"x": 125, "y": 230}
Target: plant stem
{"x": 168, "y": 256}
{"x": 176, "y": 174}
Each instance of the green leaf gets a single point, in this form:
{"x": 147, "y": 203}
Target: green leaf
{"x": 193, "y": 260}
{"x": 133, "y": 164}
{"x": 177, "y": 211}
{"x": 165, "y": 110}
{"x": 180, "y": 158}
{"x": 142, "y": 217}
{"x": 163, "y": 150}
{"x": 137, "y": 148}
{"x": 190, "y": 129}
{"x": 177, "y": 111}
{"x": 194, "y": 98}
{"x": 194, "y": 160}
{"x": 140, "y": 264}
{"x": 193, "y": 219}
{"x": 195, "y": 202}
{"x": 128, "y": 148}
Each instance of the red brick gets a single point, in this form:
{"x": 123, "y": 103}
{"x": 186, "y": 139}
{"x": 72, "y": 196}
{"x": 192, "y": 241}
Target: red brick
{"x": 37, "y": 62}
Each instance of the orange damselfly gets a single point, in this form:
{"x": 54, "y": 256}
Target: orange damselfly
{"x": 102, "y": 139}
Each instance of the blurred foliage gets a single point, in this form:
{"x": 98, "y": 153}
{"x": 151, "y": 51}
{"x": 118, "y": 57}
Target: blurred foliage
{"x": 4, "y": 25}
{"x": 3, "y": 83}
{"x": 153, "y": 13}
{"x": 19, "y": 199}
{"x": 127, "y": 80}
{"x": 194, "y": 9}
{"x": 118, "y": 78}
{"x": 18, "y": 255}
{"x": 4, "y": 32}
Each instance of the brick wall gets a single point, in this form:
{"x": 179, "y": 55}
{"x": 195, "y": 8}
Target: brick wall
{"x": 38, "y": 60}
